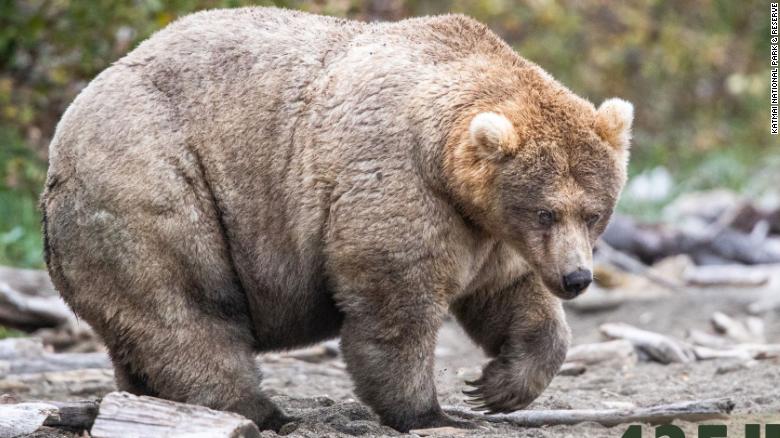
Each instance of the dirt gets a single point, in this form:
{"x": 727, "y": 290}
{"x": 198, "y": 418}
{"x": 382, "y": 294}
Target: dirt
{"x": 332, "y": 410}
{"x": 319, "y": 389}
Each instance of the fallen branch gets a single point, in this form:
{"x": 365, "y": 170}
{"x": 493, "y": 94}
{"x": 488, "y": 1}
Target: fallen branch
{"x": 705, "y": 339}
{"x": 30, "y": 282}
{"x": 697, "y": 410}
{"x": 634, "y": 266}
{"x": 125, "y": 415}
{"x": 726, "y": 275}
{"x": 707, "y": 353}
{"x": 716, "y": 241}
{"x": 28, "y": 312}
{"x": 749, "y": 331}
{"x": 572, "y": 369}
{"x": 664, "y": 349}
{"x": 619, "y": 350}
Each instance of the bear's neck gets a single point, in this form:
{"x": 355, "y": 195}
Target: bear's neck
{"x": 447, "y": 163}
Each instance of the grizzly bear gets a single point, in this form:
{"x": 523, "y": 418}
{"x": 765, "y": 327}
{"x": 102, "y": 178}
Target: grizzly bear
{"x": 260, "y": 179}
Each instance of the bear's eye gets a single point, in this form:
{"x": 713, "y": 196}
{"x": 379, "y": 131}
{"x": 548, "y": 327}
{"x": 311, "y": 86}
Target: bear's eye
{"x": 592, "y": 219}
{"x": 546, "y": 217}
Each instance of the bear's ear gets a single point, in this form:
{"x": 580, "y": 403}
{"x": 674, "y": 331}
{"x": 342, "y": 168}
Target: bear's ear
{"x": 493, "y": 133}
{"x": 613, "y": 122}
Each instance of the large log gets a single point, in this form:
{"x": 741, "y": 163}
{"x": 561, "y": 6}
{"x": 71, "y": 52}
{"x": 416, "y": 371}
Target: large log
{"x": 48, "y": 362}
{"x": 24, "y": 418}
{"x": 698, "y": 410}
{"x": 28, "y": 355}
{"x": 124, "y": 415}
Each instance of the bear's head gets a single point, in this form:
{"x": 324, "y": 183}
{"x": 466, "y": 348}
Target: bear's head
{"x": 542, "y": 171}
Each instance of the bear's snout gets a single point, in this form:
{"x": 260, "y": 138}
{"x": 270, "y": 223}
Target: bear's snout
{"x": 577, "y": 281}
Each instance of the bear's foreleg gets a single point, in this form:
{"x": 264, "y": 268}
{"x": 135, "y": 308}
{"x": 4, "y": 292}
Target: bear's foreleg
{"x": 522, "y": 327}
{"x": 388, "y": 349}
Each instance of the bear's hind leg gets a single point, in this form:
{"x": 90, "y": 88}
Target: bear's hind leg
{"x": 177, "y": 351}
{"x": 164, "y": 298}
{"x": 127, "y": 380}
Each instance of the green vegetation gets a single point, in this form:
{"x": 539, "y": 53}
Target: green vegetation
{"x": 696, "y": 70}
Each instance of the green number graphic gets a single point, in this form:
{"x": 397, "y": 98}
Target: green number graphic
{"x": 633, "y": 431}
{"x": 712, "y": 431}
{"x": 669, "y": 430}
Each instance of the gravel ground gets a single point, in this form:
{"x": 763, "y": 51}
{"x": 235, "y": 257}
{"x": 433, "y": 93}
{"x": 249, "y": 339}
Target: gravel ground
{"x": 323, "y": 389}
{"x": 318, "y": 389}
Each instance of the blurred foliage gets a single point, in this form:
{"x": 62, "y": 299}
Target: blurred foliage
{"x": 696, "y": 70}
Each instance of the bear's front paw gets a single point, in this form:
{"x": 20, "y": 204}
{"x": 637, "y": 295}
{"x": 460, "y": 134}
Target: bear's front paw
{"x": 433, "y": 419}
{"x": 509, "y": 384}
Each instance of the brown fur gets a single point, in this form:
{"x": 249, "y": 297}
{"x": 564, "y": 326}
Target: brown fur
{"x": 258, "y": 179}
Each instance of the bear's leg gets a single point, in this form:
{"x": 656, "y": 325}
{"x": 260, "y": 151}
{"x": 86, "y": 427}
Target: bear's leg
{"x": 388, "y": 349}
{"x": 523, "y": 328}
{"x": 165, "y": 300}
{"x": 126, "y": 380}
{"x": 199, "y": 359}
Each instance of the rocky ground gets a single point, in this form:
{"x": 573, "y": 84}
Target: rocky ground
{"x": 752, "y": 386}
{"x": 316, "y": 386}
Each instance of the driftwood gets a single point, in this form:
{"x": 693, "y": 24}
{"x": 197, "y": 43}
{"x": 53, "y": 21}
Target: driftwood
{"x": 123, "y": 415}
{"x": 709, "y": 340}
{"x": 440, "y": 431}
{"x": 29, "y": 302}
{"x": 725, "y": 275}
{"x": 706, "y": 353}
{"x": 751, "y": 330}
{"x": 698, "y": 410}
{"x": 24, "y": 418}
{"x": 661, "y": 348}
{"x": 73, "y": 414}
{"x": 29, "y": 312}
{"x": 30, "y": 282}
{"x": 739, "y": 351}
{"x": 630, "y": 264}
{"x": 28, "y": 355}
{"x": 13, "y": 348}
{"x": 618, "y": 351}
{"x": 718, "y": 242}
{"x": 48, "y": 362}
{"x": 572, "y": 369}
{"x": 596, "y": 300}
{"x": 75, "y": 383}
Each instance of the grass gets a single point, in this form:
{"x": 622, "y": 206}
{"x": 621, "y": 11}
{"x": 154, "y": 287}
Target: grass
{"x": 21, "y": 178}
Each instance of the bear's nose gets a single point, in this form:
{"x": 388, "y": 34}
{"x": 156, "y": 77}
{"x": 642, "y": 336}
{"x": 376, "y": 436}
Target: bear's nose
{"x": 575, "y": 282}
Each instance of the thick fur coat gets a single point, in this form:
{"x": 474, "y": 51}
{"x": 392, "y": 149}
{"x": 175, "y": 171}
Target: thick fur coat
{"x": 258, "y": 179}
